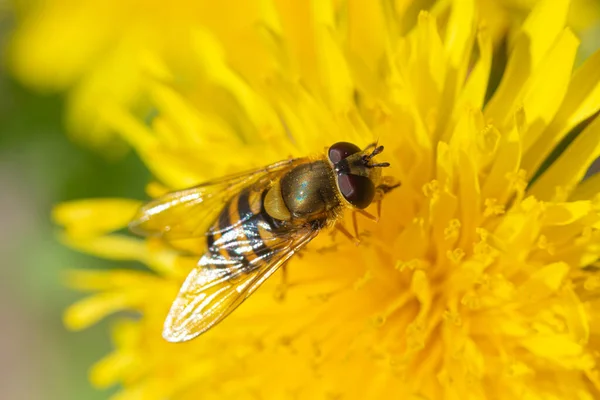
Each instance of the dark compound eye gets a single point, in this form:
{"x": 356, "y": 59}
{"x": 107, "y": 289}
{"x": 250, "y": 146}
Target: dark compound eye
{"x": 358, "y": 190}
{"x": 341, "y": 150}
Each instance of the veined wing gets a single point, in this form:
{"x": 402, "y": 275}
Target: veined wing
{"x": 219, "y": 284}
{"x": 188, "y": 213}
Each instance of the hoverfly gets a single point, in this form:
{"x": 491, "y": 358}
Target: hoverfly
{"x": 253, "y": 223}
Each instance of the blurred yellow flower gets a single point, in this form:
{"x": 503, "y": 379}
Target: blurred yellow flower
{"x": 100, "y": 52}
{"x": 480, "y": 280}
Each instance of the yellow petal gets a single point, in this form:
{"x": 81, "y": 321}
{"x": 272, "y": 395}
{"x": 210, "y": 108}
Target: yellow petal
{"x": 544, "y": 282}
{"x": 242, "y": 105}
{"x": 131, "y": 130}
{"x": 444, "y": 165}
{"x": 547, "y": 88}
{"x": 367, "y": 32}
{"x": 426, "y": 70}
{"x": 443, "y": 210}
{"x": 90, "y": 310}
{"x": 124, "y": 248}
{"x": 583, "y": 98}
{"x": 334, "y": 75}
{"x": 421, "y": 289}
{"x": 497, "y": 184}
{"x": 577, "y": 318}
{"x": 566, "y": 172}
{"x": 460, "y": 34}
{"x": 470, "y": 198}
{"x": 552, "y": 347}
{"x": 45, "y": 33}
{"x": 565, "y": 213}
{"x": 110, "y": 370}
{"x": 94, "y": 216}
{"x": 295, "y": 17}
{"x": 242, "y": 28}
{"x": 475, "y": 88}
{"x": 543, "y": 25}
{"x": 581, "y": 101}
{"x": 539, "y": 33}
{"x": 190, "y": 128}
{"x": 474, "y": 359}
{"x": 97, "y": 280}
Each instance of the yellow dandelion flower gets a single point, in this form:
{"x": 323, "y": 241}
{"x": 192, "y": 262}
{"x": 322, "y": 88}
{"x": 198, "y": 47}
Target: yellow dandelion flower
{"x": 480, "y": 281}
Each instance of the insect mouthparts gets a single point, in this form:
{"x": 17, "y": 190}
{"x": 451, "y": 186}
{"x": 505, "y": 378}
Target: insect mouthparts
{"x": 378, "y": 165}
{"x": 366, "y": 158}
{"x": 376, "y": 150}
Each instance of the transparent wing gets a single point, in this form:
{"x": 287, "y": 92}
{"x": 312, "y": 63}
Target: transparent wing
{"x": 218, "y": 285}
{"x": 188, "y": 213}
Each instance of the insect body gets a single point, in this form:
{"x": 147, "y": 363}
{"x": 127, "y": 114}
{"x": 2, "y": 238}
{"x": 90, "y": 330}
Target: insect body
{"x": 253, "y": 223}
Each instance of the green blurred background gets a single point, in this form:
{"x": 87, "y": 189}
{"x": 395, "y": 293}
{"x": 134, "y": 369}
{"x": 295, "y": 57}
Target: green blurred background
{"x": 40, "y": 167}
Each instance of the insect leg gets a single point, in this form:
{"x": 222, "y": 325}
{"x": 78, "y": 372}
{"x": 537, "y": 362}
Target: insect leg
{"x": 385, "y": 187}
{"x": 366, "y": 214}
{"x": 355, "y": 224}
{"x": 381, "y": 190}
{"x": 345, "y": 232}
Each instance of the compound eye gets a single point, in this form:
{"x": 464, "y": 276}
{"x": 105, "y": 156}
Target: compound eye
{"x": 357, "y": 190}
{"x": 340, "y": 150}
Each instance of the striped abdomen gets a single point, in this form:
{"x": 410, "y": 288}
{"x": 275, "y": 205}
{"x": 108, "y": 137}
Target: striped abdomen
{"x": 244, "y": 235}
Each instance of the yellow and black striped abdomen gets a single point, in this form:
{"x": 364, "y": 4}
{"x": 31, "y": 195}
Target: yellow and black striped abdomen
{"x": 244, "y": 236}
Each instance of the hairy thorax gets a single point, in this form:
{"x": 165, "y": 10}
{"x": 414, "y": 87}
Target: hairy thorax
{"x": 306, "y": 192}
